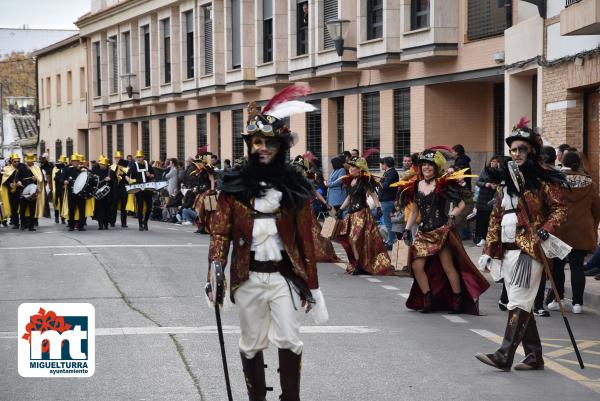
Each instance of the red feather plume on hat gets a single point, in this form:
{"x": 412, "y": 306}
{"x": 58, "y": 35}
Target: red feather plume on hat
{"x": 290, "y": 93}
{"x": 203, "y": 149}
{"x": 310, "y": 156}
{"x": 370, "y": 152}
{"x": 523, "y": 123}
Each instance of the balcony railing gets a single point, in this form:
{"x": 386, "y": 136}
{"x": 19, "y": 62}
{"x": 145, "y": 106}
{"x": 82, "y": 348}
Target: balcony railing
{"x": 571, "y": 2}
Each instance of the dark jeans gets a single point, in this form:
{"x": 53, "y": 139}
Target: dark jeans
{"x": 482, "y": 222}
{"x": 27, "y": 204}
{"x": 575, "y": 260}
{"x": 76, "y": 203}
{"x": 594, "y": 261}
{"x": 387, "y": 208}
{"x": 120, "y": 202}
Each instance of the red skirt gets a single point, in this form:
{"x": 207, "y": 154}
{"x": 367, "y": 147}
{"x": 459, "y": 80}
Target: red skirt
{"x": 473, "y": 284}
{"x": 362, "y": 233}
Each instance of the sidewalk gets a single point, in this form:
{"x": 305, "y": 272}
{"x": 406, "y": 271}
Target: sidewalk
{"x": 591, "y": 296}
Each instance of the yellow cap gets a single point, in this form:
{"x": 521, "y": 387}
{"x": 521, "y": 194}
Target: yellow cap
{"x": 118, "y": 155}
{"x": 359, "y": 163}
{"x": 29, "y": 157}
{"x": 15, "y": 156}
{"x": 75, "y": 157}
{"x": 103, "y": 160}
{"x": 63, "y": 159}
{"x": 139, "y": 153}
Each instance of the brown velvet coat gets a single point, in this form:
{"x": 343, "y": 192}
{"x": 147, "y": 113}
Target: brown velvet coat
{"x": 233, "y": 222}
{"x": 548, "y": 211}
{"x": 583, "y": 213}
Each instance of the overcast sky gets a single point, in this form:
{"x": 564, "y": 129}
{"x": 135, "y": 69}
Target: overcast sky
{"x": 46, "y": 14}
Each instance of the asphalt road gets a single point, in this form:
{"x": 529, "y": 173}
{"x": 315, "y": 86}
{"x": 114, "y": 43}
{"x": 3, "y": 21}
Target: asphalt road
{"x": 156, "y": 338}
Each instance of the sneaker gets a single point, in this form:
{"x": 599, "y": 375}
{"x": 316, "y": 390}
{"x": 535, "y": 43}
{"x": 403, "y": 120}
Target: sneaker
{"x": 577, "y": 309}
{"x": 554, "y": 305}
{"x": 592, "y": 272}
{"x": 481, "y": 243}
{"x": 502, "y": 306}
{"x": 186, "y": 223}
{"x": 542, "y": 312}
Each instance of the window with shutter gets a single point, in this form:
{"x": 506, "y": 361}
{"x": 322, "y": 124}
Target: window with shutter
{"x": 109, "y": 142}
{"x": 313, "y": 131}
{"x": 330, "y": 12}
{"x": 237, "y": 127}
{"x": 236, "y": 49}
{"x": 146, "y": 138}
{"x": 201, "y": 134}
{"x": 58, "y": 148}
{"x": 114, "y": 62}
{"x": 120, "y": 138}
{"x": 370, "y": 126}
{"x": 374, "y": 19}
{"x": 208, "y": 39}
{"x": 486, "y": 19}
{"x": 401, "y": 123}
{"x": 267, "y": 31}
{"x": 180, "y": 138}
{"x": 162, "y": 139}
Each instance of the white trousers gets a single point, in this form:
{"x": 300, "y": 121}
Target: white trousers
{"x": 267, "y": 314}
{"x": 519, "y": 297}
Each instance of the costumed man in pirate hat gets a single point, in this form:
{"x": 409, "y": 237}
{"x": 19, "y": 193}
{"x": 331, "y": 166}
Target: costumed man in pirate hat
{"x": 264, "y": 210}
{"x": 31, "y": 204}
{"x": 74, "y": 206}
{"x": 527, "y": 209}
{"x": 57, "y": 187}
{"x": 11, "y": 192}
{"x": 206, "y": 186}
{"x": 106, "y": 182}
{"x": 141, "y": 172}
{"x": 119, "y": 196}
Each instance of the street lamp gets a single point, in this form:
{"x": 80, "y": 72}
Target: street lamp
{"x": 127, "y": 78}
{"x": 338, "y": 29}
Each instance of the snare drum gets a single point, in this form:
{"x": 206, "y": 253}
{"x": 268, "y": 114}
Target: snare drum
{"x": 102, "y": 192}
{"x": 30, "y": 191}
{"x": 85, "y": 185}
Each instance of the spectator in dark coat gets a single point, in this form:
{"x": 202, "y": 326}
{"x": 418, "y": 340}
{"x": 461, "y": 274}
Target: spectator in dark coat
{"x": 462, "y": 161}
{"x": 488, "y": 181}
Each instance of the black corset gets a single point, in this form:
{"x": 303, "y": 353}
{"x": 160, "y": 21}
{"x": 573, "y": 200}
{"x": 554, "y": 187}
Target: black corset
{"x": 432, "y": 209}
{"x": 358, "y": 197}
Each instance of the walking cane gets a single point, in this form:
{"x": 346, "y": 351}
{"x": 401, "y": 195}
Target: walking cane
{"x": 519, "y": 182}
{"x": 218, "y": 284}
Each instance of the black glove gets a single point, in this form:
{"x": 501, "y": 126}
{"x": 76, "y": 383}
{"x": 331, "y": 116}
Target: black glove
{"x": 379, "y": 213}
{"x": 543, "y": 234}
{"x": 407, "y": 236}
{"x": 339, "y": 214}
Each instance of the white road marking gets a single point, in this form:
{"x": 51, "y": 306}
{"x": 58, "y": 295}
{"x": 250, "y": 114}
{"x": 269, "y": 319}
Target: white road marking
{"x": 403, "y": 295}
{"x": 487, "y": 334}
{"x": 390, "y": 287}
{"x": 49, "y": 232}
{"x": 373, "y": 280}
{"x": 105, "y": 246}
{"x": 364, "y": 275}
{"x": 455, "y": 319}
{"x": 118, "y": 331}
{"x": 72, "y": 254}
{"x": 170, "y": 228}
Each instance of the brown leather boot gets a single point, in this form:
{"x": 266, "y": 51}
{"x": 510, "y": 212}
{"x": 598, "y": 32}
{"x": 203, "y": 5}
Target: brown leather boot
{"x": 290, "y": 365}
{"x": 457, "y": 306}
{"x": 254, "y": 373}
{"x": 533, "y": 349}
{"x": 515, "y": 330}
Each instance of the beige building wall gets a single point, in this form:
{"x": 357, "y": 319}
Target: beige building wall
{"x": 62, "y": 117}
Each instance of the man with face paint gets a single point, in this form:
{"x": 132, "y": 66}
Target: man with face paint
{"x": 264, "y": 210}
{"x": 524, "y": 213}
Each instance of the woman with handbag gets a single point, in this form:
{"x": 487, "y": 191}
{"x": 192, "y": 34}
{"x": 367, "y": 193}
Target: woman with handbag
{"x": 358, "y": 231}
{"x": 445, "y": 277}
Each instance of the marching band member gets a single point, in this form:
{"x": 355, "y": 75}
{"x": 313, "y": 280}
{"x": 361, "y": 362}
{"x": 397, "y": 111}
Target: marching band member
{"x": 11, "y": 193}
{"x": 103, "y": 206}
{"x": 264, "y": 211}
{"x": 57, "y": 186}
{"x": 120, "y": 196}
{"x": 30, "y": 206}
{"x": 141, "y": 172}
{"x": 74, "y": 208}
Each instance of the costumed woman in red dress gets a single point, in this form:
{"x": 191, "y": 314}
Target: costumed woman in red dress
{"x": 445, "y": 277}
{"x": 324, "y": 251}
{"x": 358, "y": 232}
{"x": 205, "y": 172}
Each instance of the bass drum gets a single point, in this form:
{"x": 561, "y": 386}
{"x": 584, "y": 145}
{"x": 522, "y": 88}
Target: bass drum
{"x": 102, "y": 192}
{"x": 85, "y": 185}
{"x": 30, "y": 191}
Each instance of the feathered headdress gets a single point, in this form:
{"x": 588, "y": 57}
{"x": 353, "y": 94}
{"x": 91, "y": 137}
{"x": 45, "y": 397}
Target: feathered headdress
{"x": 370, "y": 152}
{"x": 522, "y": 132}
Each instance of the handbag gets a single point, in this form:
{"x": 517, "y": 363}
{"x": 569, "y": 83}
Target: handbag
{"x": 329, "y": 228}
{"x": 210, "y": 203}
{"x": 399, "y": 255}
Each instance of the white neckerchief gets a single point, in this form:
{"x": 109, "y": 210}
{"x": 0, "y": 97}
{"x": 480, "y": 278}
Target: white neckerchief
{"x": 142, "y": 171}
{"x": 509, "y": 220}
{"x": 266, "y": 243}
